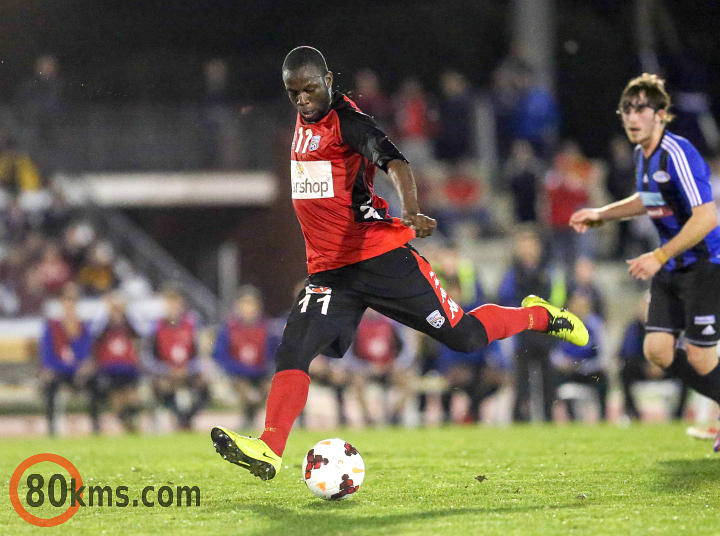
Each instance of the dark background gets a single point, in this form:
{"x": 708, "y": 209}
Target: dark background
{"x": 154, "y": 51}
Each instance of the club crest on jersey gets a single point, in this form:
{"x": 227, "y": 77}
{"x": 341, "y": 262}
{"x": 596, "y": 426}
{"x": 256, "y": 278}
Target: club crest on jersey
{"x": 314, "y": 143}
{"x": 661, "y": 176}
{"x": 435, "y": 319}
{"x": 315, "y": 289}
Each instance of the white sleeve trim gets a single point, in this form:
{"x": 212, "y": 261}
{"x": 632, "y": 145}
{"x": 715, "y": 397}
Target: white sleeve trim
{"x": 683, "y": 169}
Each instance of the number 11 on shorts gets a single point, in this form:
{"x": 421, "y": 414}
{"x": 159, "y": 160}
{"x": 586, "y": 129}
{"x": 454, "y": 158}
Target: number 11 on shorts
{"x": 325, "y": 300}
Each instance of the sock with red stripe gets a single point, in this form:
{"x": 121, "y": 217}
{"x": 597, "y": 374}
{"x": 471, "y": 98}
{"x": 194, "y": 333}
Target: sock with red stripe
{"x": 288, "y": 395}
{"x": 502, "y": 322}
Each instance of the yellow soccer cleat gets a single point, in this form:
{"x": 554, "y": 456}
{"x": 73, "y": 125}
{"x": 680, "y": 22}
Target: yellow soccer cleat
{"x": 563, "y": 324}
{"x": 249, "y": 453}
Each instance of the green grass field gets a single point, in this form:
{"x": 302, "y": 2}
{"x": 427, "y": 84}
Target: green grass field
{"x": 585, "y": 480}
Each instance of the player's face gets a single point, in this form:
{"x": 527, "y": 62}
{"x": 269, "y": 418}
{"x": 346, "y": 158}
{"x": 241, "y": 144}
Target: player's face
{"x": 641, "y": 120}
{"x": 310, "y": 91}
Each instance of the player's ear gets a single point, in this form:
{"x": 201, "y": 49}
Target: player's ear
{"x": 328, "y": 80}
{"x": 661, "y": 115}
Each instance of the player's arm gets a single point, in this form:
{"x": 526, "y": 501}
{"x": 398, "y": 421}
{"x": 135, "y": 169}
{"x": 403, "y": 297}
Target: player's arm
{"x": 360, "y": 133}
{"x": 702, "y": 221}
{"x": 401, "y": 175}
{"x": 629, "y": 207}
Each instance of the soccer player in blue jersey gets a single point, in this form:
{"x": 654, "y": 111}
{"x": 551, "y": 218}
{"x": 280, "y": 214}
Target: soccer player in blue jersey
{"x": 674, "y": 190}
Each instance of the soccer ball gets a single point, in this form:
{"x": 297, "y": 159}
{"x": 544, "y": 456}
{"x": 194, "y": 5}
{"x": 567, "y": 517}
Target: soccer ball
{"x": 333, "y": 469}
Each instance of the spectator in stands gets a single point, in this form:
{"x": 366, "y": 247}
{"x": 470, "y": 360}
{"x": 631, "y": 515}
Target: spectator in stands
{"x": 13, "y": 269}
{"x": 529, "y": 275}
{"x": 116, "y": 363}
{"x": 583, "y": 282}
{"x": 370, "y": 98}
{"x": 619, "y": 187}
{"x": 244, "y": 350}
{"x": 383, "y": 352}
{"x": 40, "y": 106}
{"x": 18, "y": 173}
{"x": 220, "y": 133}
{"x": 476, "y": 374}
{"x": 414, "y": 122}
{"x": 331, "y": 373}
{"x": 583, "y": 364}
{"x": 505, "y": 97}
{"x": 567, "y": 189}
{"x": 634, "y": 368}
{"x": 97, "y": 276}
{"x": 455, "y": 135}
{"x": 461, "y": 203}
{"x": 177, "y": 379}
{"x": 522, "y": 174}
{"x": 52, "y": 270}
{"x": 537, "y": 116}
{"x": 78, "y": 238}
{"x": 65, "y": 345}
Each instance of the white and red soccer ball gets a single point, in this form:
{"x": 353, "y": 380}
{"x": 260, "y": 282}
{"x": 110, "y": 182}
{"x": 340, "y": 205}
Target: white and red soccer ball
{"x": 333, "y": 469}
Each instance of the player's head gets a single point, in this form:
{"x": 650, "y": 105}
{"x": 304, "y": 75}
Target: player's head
{"x": 248, "y": 304}
{"x": 308, "y": 83}
{"x": 69, "y": 297}
{"x": 116, "y": 304}
{"x": 644, "y": 107}
{"x": 174, "y": 301}
{"x": 528, "y": 247}
{"x": 580, "y": 303}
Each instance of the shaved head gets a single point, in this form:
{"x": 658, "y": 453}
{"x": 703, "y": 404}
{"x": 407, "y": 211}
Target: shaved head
{"x": 304, "y": 57}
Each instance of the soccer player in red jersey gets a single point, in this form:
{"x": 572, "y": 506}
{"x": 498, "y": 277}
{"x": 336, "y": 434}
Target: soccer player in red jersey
{"x": 358, "y": 256}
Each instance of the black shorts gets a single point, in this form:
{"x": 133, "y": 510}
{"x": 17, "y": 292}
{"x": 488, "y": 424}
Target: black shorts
{"x": 399, "y": 284}
{"x": 687, "y": 300}
{"x": 108, "y": 382}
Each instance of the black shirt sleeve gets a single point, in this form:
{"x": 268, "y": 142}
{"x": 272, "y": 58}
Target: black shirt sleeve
{"x": 361, "y": 134}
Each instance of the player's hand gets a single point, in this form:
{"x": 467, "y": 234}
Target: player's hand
{"x": 644, "y": 267}
{"x": 422, "y": 225}
{"x": 585, "y": 218}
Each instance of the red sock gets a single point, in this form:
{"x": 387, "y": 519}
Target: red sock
{"x": 503, "y": 322}
{"x": 288, "y": 395}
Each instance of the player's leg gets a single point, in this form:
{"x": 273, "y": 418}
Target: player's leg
{"x": 690, "y": 302}
{"x": 322, "y": 320}
{"x": 51, "y": 385}
{"x": 95, "y": 396}
{"x": 631, "y": 373}
{"x": 414, "y": 297}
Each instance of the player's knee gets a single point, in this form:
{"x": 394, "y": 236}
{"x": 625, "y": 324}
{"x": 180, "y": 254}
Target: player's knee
{"x": 702, "y": 359}
{"x": 659, "y": 352}
{"x": 467, "y": 338}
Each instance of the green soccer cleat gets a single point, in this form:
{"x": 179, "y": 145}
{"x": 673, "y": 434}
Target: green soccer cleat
{"x": 249, "y": 453}
{"x": 563, "y": 324}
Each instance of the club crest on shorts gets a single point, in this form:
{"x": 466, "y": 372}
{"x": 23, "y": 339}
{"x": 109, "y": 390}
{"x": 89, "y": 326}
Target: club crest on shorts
{"x": 435, "y": 319}
{"x": 316, "y": 289}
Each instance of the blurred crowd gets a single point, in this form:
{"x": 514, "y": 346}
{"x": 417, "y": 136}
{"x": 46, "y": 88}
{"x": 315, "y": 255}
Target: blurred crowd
{"x": 50, "y": 253}
{"x": 109, "y": 356}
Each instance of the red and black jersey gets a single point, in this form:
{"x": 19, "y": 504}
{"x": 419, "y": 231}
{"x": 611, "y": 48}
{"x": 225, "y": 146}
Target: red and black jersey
{"x": 116, "y": 346}
{"x": 376, "y": 341}
{"x": 247, "y": 342}
{"x": 332, "y": 169}
{"x": 174, "y": 342}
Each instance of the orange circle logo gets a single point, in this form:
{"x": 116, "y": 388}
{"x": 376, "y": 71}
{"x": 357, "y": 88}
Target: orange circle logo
{"x": 15, "y": 481}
